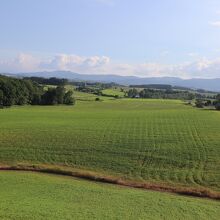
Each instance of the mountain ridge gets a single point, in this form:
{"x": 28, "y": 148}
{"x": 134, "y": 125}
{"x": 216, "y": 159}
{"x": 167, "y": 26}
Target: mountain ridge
{"x": 194, "y": 83}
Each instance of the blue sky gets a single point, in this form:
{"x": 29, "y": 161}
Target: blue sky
{"x": 125, "y": 37}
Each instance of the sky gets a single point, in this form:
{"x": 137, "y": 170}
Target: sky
{"x": 145, "y": 38}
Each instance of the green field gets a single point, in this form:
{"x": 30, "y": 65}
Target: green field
{"x": 82, "y": 96}
{"x": 114, "y": 92}
{"x": 158, "y": 141}
{"x": 41, "y": 196}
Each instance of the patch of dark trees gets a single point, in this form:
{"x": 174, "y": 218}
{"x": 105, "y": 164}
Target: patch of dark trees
{"x": 48, "y": 81}
{"x": 160, "y": 94}
{"x": 202, "y": 103}
{"x": 25, "y": 91}
{"x": 94, "y": 85}
{"x": 170, "y": 87}
{"x": 63, "y": 81}
{"x": 152, "y": 86}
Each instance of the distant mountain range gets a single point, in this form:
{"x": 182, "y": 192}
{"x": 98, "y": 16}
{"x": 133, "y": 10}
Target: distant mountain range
{"x": 206, "y": 84}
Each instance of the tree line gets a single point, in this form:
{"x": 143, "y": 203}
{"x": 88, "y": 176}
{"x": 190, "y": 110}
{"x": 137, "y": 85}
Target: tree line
{"x": 160, "y": 94}
{"x": 201, "y": 103}
{"x": 48, "y": 81}
{"x": 25, "y": 91}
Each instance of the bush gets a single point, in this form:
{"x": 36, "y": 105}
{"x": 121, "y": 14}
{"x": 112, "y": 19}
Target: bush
{"x": 199, "y": 103}
{"x": 68, "y": 98}
{"x": 49, "y": 97}
{"x": 217, "y": 106}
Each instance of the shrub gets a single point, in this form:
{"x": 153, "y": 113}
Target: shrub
{"x": 68, "y": 98}
{"x": 217, "y": 106}
{"x": 199, "y": 103}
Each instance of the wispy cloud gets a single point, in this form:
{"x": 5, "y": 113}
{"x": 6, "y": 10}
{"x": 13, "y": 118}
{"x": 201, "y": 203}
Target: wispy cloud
{"x": 215, "y": 23}
{"x": 202, "y": 67}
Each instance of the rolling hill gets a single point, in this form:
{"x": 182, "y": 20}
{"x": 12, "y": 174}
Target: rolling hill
{"x": 207, "y": 84}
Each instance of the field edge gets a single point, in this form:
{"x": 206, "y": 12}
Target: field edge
{"x": 201, "y": 192}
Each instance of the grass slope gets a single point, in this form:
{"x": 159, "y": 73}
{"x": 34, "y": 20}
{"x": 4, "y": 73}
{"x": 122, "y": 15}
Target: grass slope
{"x": 40, "y": 196}
{"x": 161, "y": 141}
{"x": 114, "y": 92}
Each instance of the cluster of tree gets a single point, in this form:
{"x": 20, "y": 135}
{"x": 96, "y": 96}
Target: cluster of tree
{"x": 48, "y": 81}
{"x": 160, "y": 94}
{"x": 152, "y": 86}
{"x": 89, "y": 89}
{"x": 22, "y": 91}
{"x": 58, "y": 95}
{"x": 18, "y": 91}
{"x": 92, "y": 85}
{"x": 201, "y": 103}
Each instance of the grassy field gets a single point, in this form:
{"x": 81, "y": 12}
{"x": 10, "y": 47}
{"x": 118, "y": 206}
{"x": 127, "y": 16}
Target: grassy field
{"x": 41, "y": 196}
{"x": 114, "y": 92}
{"x": 158, "y": 141}
{"x": 82, "y": 96}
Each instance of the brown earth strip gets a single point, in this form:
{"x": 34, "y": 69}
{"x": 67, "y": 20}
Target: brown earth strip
{"x": 187, "y": 191}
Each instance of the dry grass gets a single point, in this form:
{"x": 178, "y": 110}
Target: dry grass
{"x": 92, "y": 176}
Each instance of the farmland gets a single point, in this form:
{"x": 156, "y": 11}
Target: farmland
{"x": 156, "y": 141}
{"x": 114, "y": 92}
{"x": 41, "y": 196}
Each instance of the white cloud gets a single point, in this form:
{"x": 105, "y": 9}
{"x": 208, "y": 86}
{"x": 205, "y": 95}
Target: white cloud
{"x": 215, "y": 23}
{"x": 203, "y": 68}
{"x": 23, "y": 62}
{"x": 75, "y": 63}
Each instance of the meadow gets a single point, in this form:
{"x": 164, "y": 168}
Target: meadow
{"x": 42, "y": 196}
{"x": 114, "y": 92}
{"x": 156, "y": 141}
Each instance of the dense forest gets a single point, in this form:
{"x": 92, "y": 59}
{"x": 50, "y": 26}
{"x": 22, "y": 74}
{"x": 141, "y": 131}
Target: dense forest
{"x": 25, "y": 91}
{"x": 48, "y": 81}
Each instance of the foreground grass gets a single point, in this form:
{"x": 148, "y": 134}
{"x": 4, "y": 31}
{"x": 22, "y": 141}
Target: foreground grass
{"x": 158, "y": 141}
{"x": 41, "y": 196}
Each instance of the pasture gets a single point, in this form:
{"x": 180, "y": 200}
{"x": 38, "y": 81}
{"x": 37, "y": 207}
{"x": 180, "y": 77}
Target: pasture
{"x": 114, "y": 92}
{"x": 41, "y": 196}
{"x": 157, "y": 141}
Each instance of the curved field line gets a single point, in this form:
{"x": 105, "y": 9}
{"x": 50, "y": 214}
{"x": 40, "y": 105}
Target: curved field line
{"x": 187, "y": 191}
